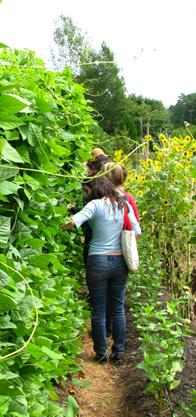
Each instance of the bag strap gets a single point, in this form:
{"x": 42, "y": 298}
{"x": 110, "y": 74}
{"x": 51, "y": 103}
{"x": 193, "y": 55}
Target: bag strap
{"x": 127, "y": 223}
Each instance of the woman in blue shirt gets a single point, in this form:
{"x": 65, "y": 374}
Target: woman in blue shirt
{"x": 106, "y": 271}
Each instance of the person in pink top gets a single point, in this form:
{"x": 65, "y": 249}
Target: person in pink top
{"x": 117, "y": 174}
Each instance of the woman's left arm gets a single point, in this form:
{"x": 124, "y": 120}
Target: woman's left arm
{"x": 87, "y": 213}
{"x": 68, "y": 226}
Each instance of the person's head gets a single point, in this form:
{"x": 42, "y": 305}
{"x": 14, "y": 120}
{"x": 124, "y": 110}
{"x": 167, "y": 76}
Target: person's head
{"x": 99, "y": 187}
{"x": 91, "y": 167}
{"x": 100, "y": 161}
{"x": 97, "y": 152}
{"x": 116, "y": 173}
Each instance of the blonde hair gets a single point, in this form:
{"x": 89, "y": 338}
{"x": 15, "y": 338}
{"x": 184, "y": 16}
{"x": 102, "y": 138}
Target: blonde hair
{"x": 97, "y": 152}
{"x": 115, "y": 172}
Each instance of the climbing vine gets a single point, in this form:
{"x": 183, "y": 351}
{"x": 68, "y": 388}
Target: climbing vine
{"x": 45, "y": 136}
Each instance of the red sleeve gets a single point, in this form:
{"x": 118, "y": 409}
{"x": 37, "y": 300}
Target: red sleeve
{"x": 133, "y": 205}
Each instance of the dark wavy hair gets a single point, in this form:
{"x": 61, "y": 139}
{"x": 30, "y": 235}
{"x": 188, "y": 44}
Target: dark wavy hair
{"x": 102, "y": 187}
{"x": 99, "y": 162}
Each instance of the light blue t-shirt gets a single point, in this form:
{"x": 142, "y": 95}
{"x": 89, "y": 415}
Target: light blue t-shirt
{"x": 106, "y": 223}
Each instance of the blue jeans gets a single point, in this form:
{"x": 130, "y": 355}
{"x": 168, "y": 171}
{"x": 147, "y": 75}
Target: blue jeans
{"x": 107, "y": 277}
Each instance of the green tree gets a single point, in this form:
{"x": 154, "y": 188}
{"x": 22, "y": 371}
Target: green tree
{"x": 106, "y": 88}
{"x": 150, "y": 115}
{"x": 70, "y": 44}
{"x": 184, "y": 110}
{"x": 97, "y": 71}
{"x": 128, "y": 123}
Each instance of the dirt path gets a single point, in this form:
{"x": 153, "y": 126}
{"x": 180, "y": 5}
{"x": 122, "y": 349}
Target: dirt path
{"x": 116, "y": 390}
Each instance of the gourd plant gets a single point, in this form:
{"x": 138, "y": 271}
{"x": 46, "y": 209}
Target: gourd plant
{"x": 45, "y": 125}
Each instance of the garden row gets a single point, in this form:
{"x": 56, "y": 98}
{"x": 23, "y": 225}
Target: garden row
{"x": 45, "y": 126}
{"x": 44, "y": 137}
{"x": 162, "y": 298}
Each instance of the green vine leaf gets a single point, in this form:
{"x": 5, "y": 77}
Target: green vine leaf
{"x": 72, "y": 407}
{"x": 7, "y": 188}
{"x": 6, "y": 173}
{"x": 8, "y": 122}
{"x": 4, "y": 229}
{"x": 4, "y": 405}
{"x": 7, "y": 303}
{"x": 12, "y": 104}
{"x": 9, "y": 153}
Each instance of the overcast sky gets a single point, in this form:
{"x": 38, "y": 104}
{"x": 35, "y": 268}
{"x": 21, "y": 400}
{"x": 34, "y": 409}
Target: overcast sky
{"x": 153, "y": 40}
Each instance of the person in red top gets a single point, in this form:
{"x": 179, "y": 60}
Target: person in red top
{"x": 117, "y": 174}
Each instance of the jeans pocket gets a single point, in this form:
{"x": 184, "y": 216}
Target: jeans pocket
{"x": 96, "y": 275}
{"x": 97, "y": 262}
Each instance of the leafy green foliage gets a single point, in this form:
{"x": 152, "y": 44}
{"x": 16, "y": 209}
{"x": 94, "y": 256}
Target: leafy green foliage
{"x": 4, "y": 229}
{"x": 12, "y": 104}
{"x": 106, "y": 88}
{"x": 189, "y": 409}
{"x": 98, "y": 72}
{"x": 150, "y": 115}
{"x": 72, "y": 407}
{"x": 44, "y": 137}
{"x": 184, "y": 110}
{"x": 161, "y": 328}
{"x": 167, "y": 211}
{"x": 163, "y": 185}
{"x": 7, "y": 303}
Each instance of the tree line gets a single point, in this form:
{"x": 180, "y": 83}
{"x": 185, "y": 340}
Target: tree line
{"x": 125, "y": 117}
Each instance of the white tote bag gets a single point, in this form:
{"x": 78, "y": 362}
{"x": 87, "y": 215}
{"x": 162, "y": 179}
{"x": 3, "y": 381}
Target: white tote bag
{"x": 128, "y": 243}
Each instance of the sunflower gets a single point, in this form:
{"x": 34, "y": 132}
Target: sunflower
{"x": 140, "y": 193}
{"x": 148, "y": 138}
{"x": 162, "y": 137}
{"x": 187, "y": 139}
